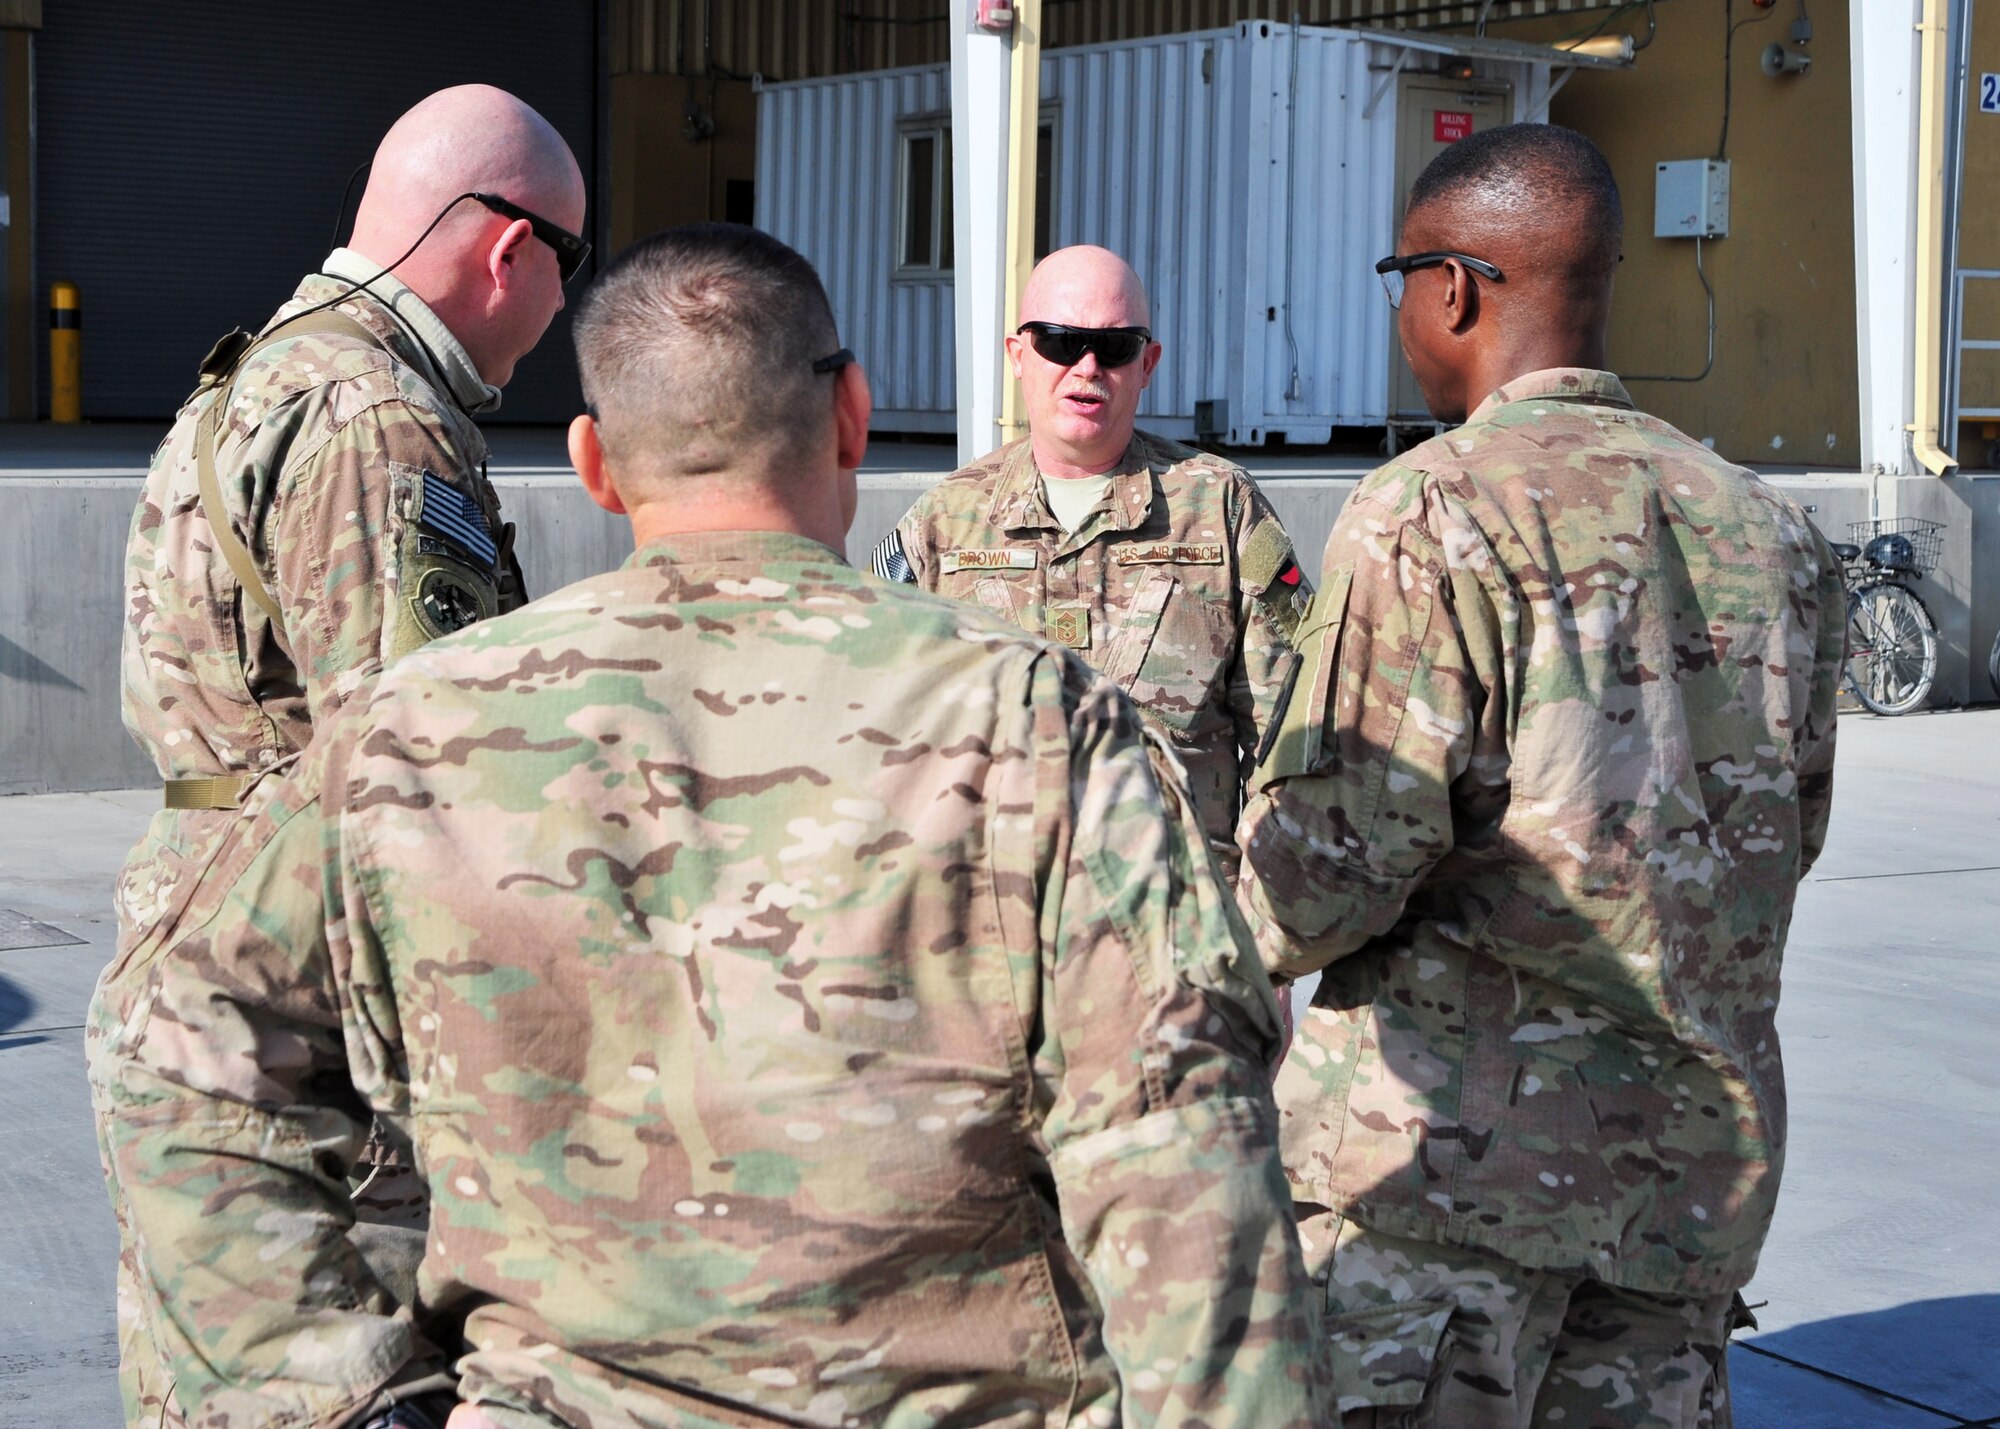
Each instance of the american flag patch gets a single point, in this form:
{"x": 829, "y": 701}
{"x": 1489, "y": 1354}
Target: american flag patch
{"x": 891, "y": 562}
{"x": 450, "y": 513}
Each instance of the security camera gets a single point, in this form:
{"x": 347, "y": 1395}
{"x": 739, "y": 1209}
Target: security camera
{"x": 1779, "y": 60}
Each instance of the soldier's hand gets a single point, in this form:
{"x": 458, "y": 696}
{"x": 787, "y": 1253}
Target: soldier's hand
{"x": 469, "y": 1416}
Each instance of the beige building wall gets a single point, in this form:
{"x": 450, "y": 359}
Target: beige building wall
{"x": 1785, "y": 388}
{"x": 683, "y": 117}
{"x": 1979, "y": 245}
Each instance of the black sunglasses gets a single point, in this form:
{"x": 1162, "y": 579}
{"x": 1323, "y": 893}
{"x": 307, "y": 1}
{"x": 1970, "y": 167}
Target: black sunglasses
{"x": 571, "y": 251}
{"x": 1392, "y": 270}
{"x": 1065, "y": 345}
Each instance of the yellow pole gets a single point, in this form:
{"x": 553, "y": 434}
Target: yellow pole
{"x": 65, "y": 353}
{"x": 1930, "y": 246}
{"x": 1024, "y": 122}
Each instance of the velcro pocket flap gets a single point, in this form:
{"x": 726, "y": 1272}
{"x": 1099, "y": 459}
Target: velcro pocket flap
{"x": 1296, "y": 739}
{"x": 1387, "y": 1357}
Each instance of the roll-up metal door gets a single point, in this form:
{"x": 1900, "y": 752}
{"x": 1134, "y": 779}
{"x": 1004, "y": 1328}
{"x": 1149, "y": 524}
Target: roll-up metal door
{"x": 190, "y": 161}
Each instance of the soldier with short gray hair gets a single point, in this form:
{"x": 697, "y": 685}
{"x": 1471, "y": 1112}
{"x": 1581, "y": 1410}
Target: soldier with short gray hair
{"x": 812, "y": 1001}
{"x": 1559, "y": 751}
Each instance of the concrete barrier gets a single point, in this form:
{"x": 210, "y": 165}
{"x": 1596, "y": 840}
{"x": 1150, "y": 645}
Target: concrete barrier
{"x": 62, "y": 541}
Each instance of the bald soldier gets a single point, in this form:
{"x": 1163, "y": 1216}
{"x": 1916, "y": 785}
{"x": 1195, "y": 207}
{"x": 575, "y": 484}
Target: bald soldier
{"x": 1559, "y": 751}
{"x": 320, "y": 507}
{"x": 1162, "y": 566}
{"x": 812, "y": 1000}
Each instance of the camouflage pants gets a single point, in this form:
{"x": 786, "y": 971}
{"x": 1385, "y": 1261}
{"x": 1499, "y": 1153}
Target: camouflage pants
{"x": 391, "y": 1206}
{"x": 391, "y": 1212}
{"x": 1431, "y": 1336}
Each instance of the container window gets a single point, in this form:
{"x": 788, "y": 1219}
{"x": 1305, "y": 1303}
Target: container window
{"x": 926, "y": 217}
{"x": 926, "y": 223}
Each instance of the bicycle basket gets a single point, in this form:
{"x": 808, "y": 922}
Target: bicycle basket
{"x": 1914, "y": 544}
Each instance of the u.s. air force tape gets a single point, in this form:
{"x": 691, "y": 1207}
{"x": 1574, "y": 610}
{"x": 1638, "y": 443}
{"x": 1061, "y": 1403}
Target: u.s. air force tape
{"x": 891, "y": 562}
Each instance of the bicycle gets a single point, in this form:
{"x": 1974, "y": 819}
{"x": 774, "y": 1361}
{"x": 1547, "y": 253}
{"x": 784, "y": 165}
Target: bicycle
{"x": 1892, "y": 641}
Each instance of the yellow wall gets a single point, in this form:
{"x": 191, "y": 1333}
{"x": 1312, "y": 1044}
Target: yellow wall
{"x": 1785, "y": 388}
{"x": 1979, "y": 242}
{"x": 659, "y": 176}
{"x": 808, "y": 39}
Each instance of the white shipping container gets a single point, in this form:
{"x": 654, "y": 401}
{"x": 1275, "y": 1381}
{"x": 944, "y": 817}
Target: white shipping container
{"x": 1195, "y": 156}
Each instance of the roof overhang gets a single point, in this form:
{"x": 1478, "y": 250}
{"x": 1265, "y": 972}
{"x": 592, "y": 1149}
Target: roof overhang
{"x": 1481, "y": 47}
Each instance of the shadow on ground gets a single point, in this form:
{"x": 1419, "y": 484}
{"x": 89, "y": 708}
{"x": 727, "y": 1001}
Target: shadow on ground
{"x": 16, "y": 1007}
{"x": 1927, "y": 1355}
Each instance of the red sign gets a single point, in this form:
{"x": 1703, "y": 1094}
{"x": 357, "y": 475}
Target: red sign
{"x": 1449, "y": 128}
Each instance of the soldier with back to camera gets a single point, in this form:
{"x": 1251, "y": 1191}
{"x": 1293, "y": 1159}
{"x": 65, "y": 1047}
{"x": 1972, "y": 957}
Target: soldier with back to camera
{"x": 1559, "y": 751}
{"x": 812, "y": 1001}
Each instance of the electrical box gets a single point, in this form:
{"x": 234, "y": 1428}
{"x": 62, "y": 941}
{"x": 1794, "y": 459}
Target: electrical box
{"x": 1691, "y": 199}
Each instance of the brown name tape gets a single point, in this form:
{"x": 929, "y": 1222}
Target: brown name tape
{"x": 1176, "y": 553}
{"x": 1007, "y": 558}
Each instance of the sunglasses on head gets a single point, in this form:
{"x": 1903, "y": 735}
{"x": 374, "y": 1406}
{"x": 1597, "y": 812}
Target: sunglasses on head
{"x": 571, "y": 251}
{"x": 1065, "y": 345}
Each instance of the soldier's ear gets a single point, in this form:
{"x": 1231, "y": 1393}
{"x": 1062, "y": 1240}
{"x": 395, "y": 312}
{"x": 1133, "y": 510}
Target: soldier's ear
{"x": 853, "y": 405}
{"x": 586, "y": 454}
{"x": 506, "y": 248}
{"x": 1459, "y": 301}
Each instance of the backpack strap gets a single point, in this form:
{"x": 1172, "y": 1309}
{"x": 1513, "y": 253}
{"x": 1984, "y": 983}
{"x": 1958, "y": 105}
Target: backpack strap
{"x": 218, "y": 373}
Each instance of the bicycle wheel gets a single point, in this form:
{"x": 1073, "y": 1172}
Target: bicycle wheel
{"x": 1891, "y": 648}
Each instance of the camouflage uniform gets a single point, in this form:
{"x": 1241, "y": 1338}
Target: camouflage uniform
{"x": 356, "y": 477}
{"x": 1559, "y": 751}
{"x": 1181, "y": 588}
{"x": 812, "y": 1003}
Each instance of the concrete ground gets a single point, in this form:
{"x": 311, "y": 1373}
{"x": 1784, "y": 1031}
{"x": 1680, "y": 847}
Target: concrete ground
{"x": 1880, "y": 1284}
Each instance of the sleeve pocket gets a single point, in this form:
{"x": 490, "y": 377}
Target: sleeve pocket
{"x": 1299, "y": 737}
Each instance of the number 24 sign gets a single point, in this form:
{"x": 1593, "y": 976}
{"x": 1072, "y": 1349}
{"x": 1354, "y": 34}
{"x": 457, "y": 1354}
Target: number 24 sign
{"x": 1989, "y": 94}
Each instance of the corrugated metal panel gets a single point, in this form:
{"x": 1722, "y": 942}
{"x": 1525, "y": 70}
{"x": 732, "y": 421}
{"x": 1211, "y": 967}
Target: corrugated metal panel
{"x": 806, "y": 39}
{"x": 1150, "y": 157}
{"x": 826, "y": 184}
{"x": 779, "y": 39}
{"x": 1174, "y": 153}
{"x": 1085, "y": 22}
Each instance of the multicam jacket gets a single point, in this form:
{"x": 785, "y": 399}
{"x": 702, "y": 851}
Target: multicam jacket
{"x": 1559, "y": 752}
{"x": 1181, "y": 588}
{"x": 355, "y": 476}
{"x": 812, "y": 1003}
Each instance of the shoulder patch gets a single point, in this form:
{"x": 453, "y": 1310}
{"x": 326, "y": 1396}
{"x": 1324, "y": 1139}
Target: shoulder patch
{"x": 1266, "y": 556}
{"x": 449, "y": 513}
{"x": 891, "y": 562}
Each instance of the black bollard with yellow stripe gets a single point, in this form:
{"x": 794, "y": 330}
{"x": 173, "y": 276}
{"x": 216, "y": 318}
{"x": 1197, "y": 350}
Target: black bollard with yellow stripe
{"x": 65, "y": 352}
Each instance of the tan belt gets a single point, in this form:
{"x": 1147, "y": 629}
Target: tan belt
{"x": 222, "y": 791}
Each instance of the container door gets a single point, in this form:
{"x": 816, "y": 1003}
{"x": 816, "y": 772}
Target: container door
{"x": 1432, "y": 113}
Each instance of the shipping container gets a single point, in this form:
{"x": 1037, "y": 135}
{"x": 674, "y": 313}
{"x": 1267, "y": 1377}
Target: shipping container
{"x": 1251, "y": 175}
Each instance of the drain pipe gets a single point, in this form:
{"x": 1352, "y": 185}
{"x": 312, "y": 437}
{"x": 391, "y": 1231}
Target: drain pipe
{"x": 1293, "y": 390}
{"x": 1929, "y": 344}
{"x": 1024, "y": 113}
